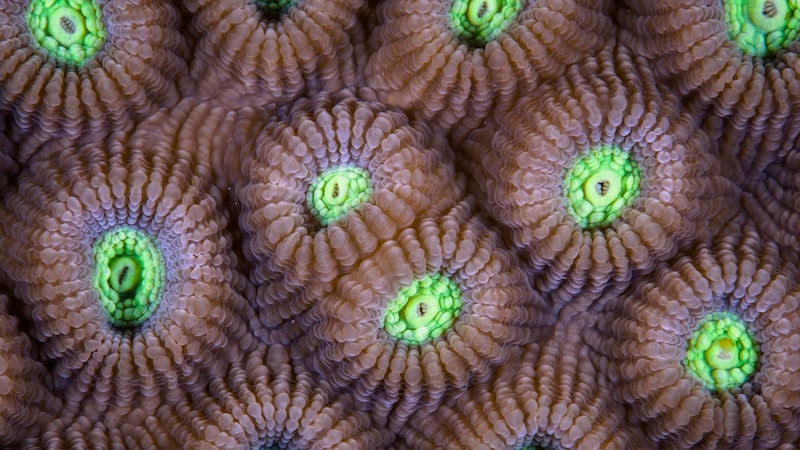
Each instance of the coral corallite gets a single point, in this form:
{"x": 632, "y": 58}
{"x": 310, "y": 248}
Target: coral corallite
{"x": 762, "y": 27}
{"x": 599, "y": 185}
{"x": 423, "y": 310}
{"x": 721, "y": 352}
{"x": 336, "y": 191}
{"x": 69, "y": 30}
{"x": 128, "y": 275}
{"x": 478, "y": 22}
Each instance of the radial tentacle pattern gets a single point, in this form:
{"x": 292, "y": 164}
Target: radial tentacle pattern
{"x": 597, "y": 176}
{"x": 706, "y": 351}
{"x": 428, "y": 313}
{"x": 773, "y": 201}
{"x": 275, "y": 402}
{"x": 118, "y": 250}
{"x": 273, "y": 51}
{"x": 26, "y": 403}
{"x": 67, "y": 65}
{"x": 323, "y": 187}
{"x": 740, "y": 58}
{"x": 453, "y": 62}
{"x": 549, "y": 395}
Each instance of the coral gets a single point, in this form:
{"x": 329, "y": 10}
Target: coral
{"x": 528, "y": 169}
{"x": 734, "y": 293}
{"x": 128, "y": 275}
{"x": 103, "y": 204}
{"x": 738, "y": 59}
{"x": 399, "y": 224}
{"x": 599, "y": 185}
{"x": 71, "y": 65}
{"x": 721, "y": 352}
{"x": 424, "y": 316}
{"x": 548, "y": 394}
{"x": 453, "y": 63}
{"x": 26, "y": 403}
{"x": 337, "y": 191}
{"x": 773, "y": 201}
{"x": 394, "y": 175}
{"x": 272, "y": 401}
{"x": 69, "y": 31}
{"x": 762, "y": 27}
{"x": 257, "y": 52}
{"x": 423, "y": 310}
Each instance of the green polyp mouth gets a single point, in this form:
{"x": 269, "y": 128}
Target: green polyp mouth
{"x": 274, "y": 9}
{"x": 762, "y": 27}
{"x": 423, "y": 310}
{"x": 128, "y": 276}
{"x": 599, "y": 185}
{"x": 722, "y": 353}
{"x": 477, "y": 22}
{"x": 338, "y": 191}
{"x": 71, "y": 31}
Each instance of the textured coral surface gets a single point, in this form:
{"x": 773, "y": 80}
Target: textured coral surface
{"x": 399, "y": 224}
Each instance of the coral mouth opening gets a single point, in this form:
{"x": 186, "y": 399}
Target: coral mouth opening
{"x": 423, "y": 310}
{"x": 600, "y": 185}
{"x": 128, "y": 276}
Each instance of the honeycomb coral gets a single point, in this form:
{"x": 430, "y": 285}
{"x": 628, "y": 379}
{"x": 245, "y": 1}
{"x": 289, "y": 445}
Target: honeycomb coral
{"x": 394, "y": 224}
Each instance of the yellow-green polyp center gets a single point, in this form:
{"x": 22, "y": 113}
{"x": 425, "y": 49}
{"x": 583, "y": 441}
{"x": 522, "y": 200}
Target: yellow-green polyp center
{"x": 762, "y": 27}
{"x": 423, "y": 310}
{"x": 476, "y": 22}
{"x": 128, "y": 276}
{"x": 721, "y": 353}
{"x": 70, "y": 31}
{"x": 274, "y": 9}
{"x": 337, "y": 191}
{"x": 600, "y": 185}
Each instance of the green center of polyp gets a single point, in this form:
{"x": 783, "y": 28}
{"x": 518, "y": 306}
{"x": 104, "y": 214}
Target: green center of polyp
{"x": 477, "y": 22}
{"x": 600, "y": 185}
{"x": 337, "y": 191}
{"x": 721, "y": 353}
{"x": 423, "y": 310}
{"x": 128, "y": 276}
{"x": 272, "y": 9}
{"x": 70, "y": 31}
{"x": 762, "y": 27}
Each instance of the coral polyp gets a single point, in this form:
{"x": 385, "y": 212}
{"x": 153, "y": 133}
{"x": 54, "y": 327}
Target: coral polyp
{"x": 477, "y": 22}
{"x": 337, "y": 191}
{"x": 721, "y": 353}
{"x": 128, "y": 276}
{"x": 423, "y": 310}
{"x": 762, "y": 27}
{"x": 599, "y": 186}
{"x": 71, "y": 31}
